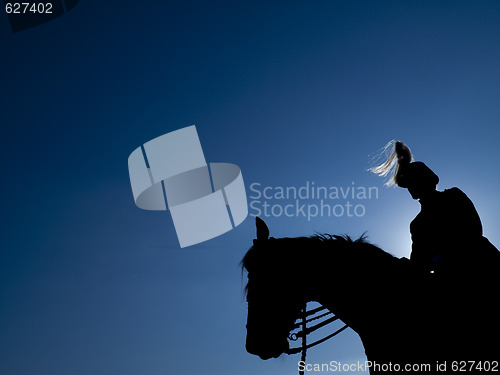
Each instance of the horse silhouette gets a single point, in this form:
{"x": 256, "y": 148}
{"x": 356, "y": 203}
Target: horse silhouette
{"x": 402, "y": 315}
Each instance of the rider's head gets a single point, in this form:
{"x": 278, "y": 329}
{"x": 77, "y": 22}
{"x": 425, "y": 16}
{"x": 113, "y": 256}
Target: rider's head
{"x": 418, "y": 178}
{"x": 415, "y": 176}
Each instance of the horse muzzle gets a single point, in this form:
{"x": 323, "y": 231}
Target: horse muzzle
{"x": 266, "y": 349}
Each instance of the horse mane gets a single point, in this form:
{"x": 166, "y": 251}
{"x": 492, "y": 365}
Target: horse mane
{"x": 292, "y": 247}
{"x": 342, "y": 237}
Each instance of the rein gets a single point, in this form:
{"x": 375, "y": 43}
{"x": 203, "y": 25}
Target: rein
{"x": 302, "y": 324}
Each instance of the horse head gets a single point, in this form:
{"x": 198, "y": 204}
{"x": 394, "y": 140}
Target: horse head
{"x": 273, "y": 301}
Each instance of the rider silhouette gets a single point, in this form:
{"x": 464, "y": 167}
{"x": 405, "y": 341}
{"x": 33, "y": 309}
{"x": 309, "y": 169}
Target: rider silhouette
{"x": 447, "y": 235}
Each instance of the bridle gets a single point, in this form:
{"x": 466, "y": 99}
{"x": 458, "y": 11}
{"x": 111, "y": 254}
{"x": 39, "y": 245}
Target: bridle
{"x": 301, "y": 323}
{"x": 322, "y": 312}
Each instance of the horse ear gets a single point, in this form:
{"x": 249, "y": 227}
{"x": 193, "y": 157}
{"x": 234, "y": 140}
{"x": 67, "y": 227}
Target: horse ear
{"x": 262, "y": 229}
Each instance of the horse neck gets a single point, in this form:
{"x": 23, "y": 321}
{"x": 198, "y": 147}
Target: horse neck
{"x": 335, "y": 279}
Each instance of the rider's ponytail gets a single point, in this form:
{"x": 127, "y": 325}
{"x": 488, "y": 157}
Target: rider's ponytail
{"x": 399, "y": 158}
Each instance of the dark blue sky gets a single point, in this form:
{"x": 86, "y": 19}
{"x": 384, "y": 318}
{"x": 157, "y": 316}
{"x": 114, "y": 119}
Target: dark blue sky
{"x": 291, "y": 92}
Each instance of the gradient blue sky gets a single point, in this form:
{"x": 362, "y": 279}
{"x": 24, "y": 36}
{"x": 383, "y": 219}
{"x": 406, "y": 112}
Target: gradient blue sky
{"x": 290, "y": 91}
